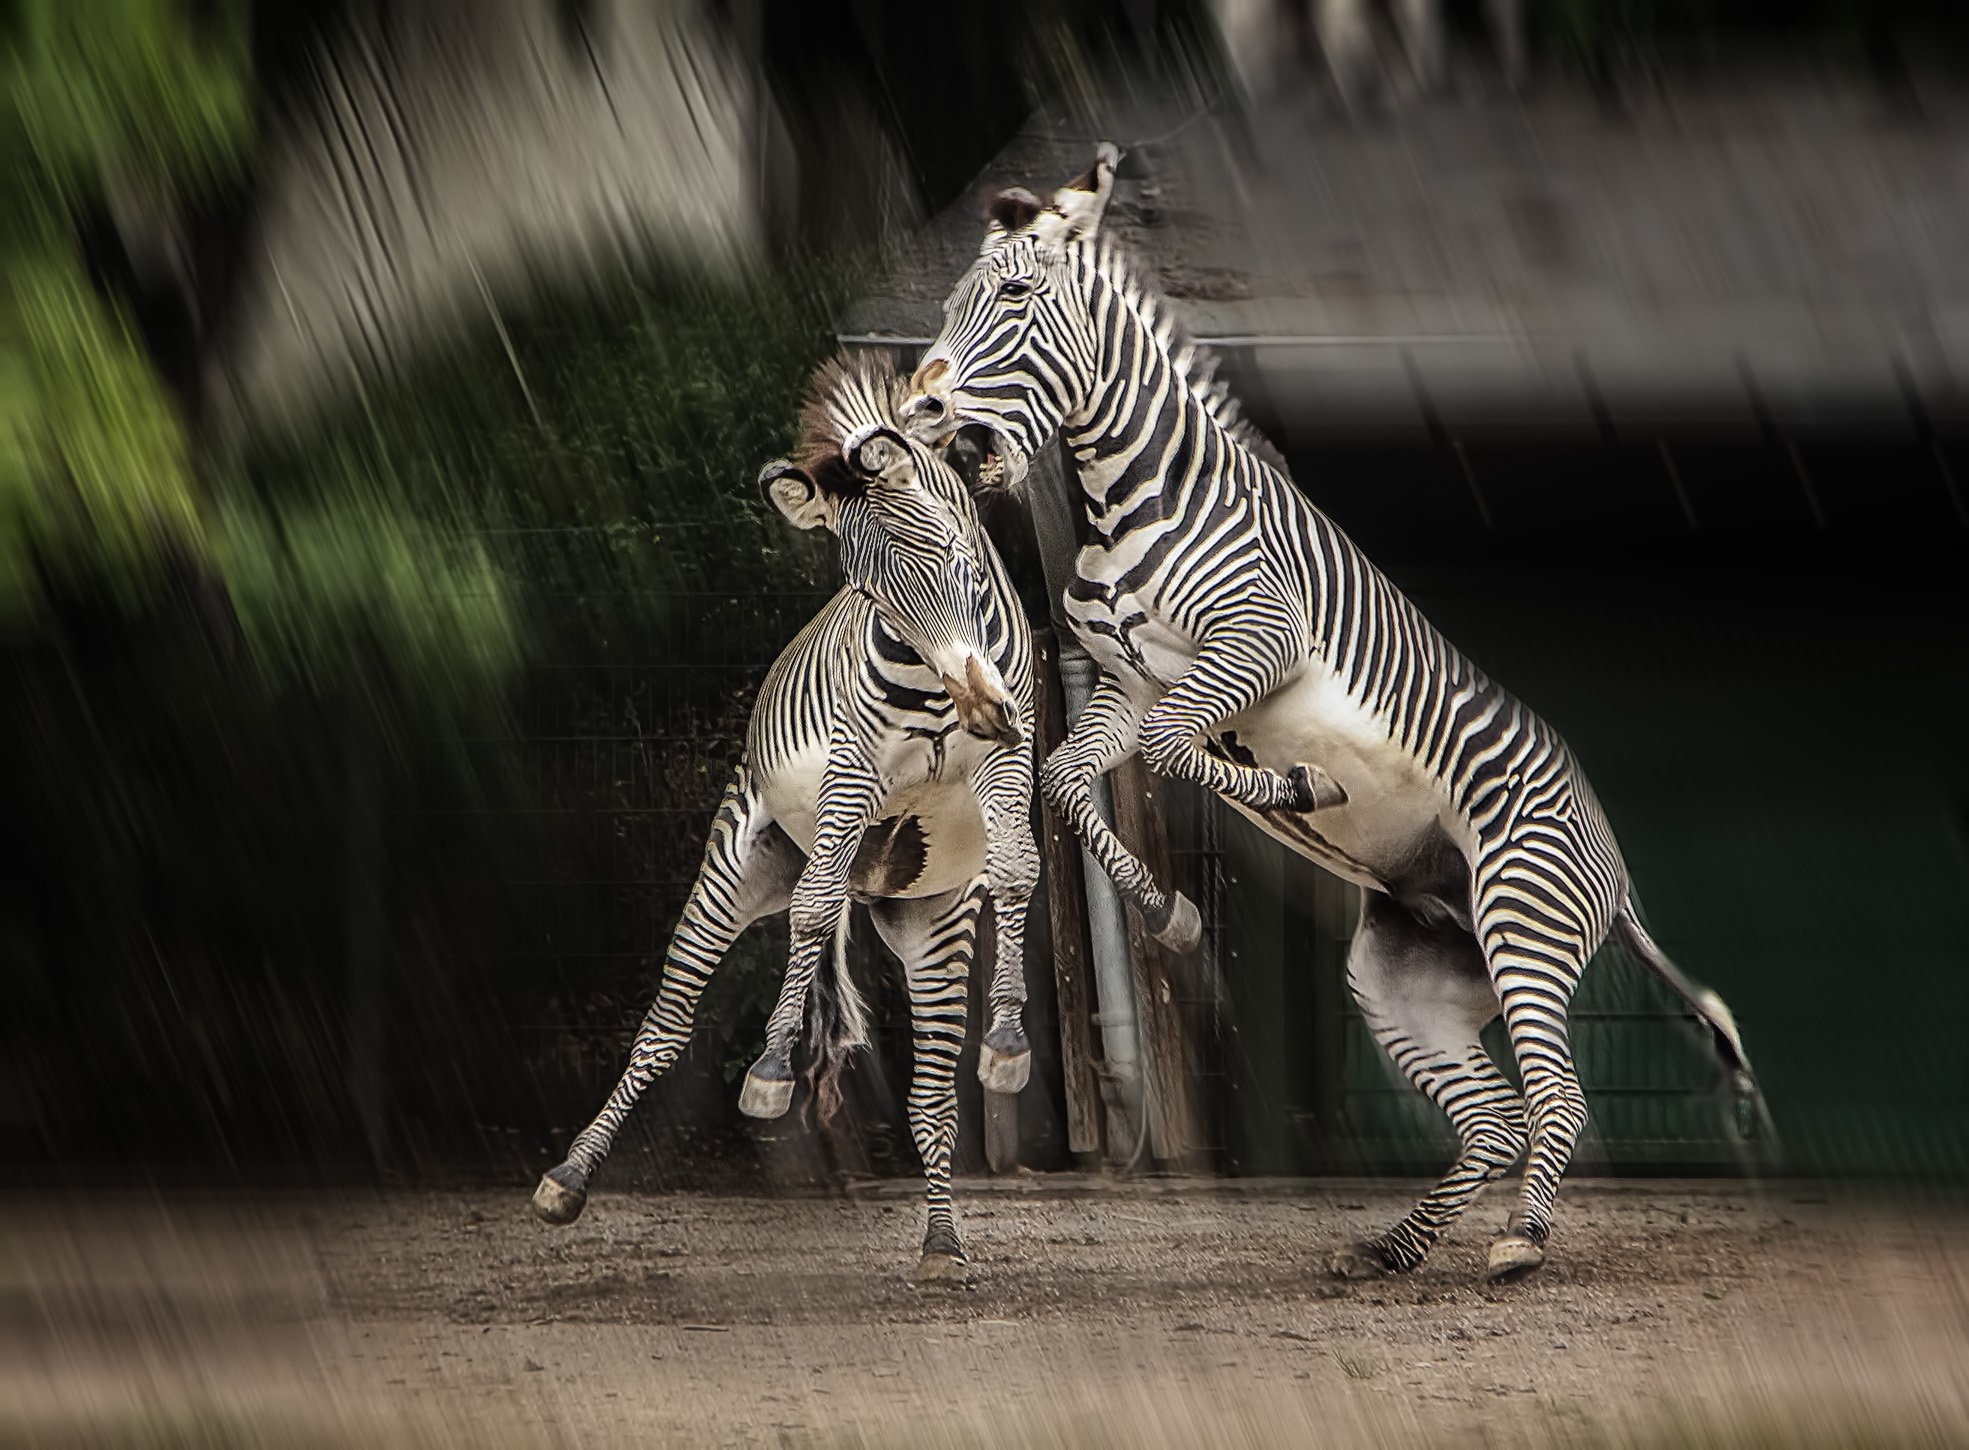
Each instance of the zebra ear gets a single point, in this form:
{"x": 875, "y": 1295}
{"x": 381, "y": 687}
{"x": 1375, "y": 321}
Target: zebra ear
{"x": 794, "y": 493}
{"x": 875, "y": 451}
{"x": 1012, "y": 210}
{"x": 1082, "y": 202}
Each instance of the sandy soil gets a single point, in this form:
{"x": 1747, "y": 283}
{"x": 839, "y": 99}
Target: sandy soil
{"x": 1152, "y": 1313}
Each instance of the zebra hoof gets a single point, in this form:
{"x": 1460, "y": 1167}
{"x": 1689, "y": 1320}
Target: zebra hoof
{"x": 561, "y": 1196}
{"x": 941, "y": 1271}
{"x": 1363, "y": 1260}
{"x": 1512, "y": 1257}
{"x": 768, "y": 1089}
{"x": 1004, "y": 1066}
{"x": 1181, "y": 927}
{"x": 1313, "y": 789}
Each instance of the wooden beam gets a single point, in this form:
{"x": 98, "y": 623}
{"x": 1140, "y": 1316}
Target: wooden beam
{"x": 1168, "y": 1061}
{"x": 1066, "y": 911}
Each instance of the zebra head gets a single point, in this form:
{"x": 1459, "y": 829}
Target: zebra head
{"x": 909, "y": 538}
{"x": 1018, "y": 348}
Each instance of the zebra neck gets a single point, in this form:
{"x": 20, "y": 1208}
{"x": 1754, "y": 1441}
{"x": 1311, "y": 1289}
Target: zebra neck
{"x": 1154, "y": 432}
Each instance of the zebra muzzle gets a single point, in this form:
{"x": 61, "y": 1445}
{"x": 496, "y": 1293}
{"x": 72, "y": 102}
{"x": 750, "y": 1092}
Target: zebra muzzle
{"x": 982, "y": 707}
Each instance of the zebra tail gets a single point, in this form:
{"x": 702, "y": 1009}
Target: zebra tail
{"x": 1705, "y": 1003}
{"x": 837, "y": 1020}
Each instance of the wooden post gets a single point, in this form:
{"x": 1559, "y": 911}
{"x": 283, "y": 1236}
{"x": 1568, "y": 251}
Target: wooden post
{"x": 1168, "y": 1064}
{"x": 365, "y": 942}
{"x": 1066, "y": 910}
{"x": 1335, "y": 905}
{"x": 1253, "y": 947}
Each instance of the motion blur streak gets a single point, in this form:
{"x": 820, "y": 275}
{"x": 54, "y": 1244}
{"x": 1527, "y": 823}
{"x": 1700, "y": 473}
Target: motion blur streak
{"x": 384, "y": 592}
{"x": 1765, "y": 1319}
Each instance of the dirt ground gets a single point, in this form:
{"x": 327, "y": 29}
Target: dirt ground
{"x": 1141, "y": 1314}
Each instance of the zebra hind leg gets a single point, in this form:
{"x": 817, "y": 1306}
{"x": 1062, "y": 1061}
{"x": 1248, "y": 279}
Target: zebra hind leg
{"x": 815, "y": 918}
{"x": 748, "y": 872}
{"x": 936, "y": 938}
{"x": 1536, "y": 957}
{"x": 1426, "y": 995}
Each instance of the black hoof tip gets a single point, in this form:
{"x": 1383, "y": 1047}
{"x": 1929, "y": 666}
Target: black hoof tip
{"x": 562, "y": 1194}
{"x": 768, "y": 1088}
{"x": 1314, "y": 790}
{"x": 947, "y": 1271}
{"x": 1512, "y": 1257}
{"x": 1180, "y": 927}
{"x": 1004, "y": 1061}
{"x": 1363, "y": 1260}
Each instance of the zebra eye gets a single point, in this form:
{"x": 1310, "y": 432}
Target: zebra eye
{"x": 1013, "y": 290}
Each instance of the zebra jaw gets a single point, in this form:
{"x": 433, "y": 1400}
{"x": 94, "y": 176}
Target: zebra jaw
{"x": 1001, "y": 464}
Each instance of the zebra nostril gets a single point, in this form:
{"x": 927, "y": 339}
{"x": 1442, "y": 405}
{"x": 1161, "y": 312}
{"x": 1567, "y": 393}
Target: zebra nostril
{"x": 925, "y": 410}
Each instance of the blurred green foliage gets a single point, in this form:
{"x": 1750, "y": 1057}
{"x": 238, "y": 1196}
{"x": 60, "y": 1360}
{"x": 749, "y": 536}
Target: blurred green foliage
{"x": 95, "y": 475}
{"x": 272, "y": 707}
{"x": 338, "y": 592}
{"x": 127, "y": 91}
{"x": 603, "y": 440}
{"x": 122, "y": 96}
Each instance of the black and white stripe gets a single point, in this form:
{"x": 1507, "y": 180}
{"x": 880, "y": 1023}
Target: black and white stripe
{"x": 1249, "y": 647}
{"x": 887, "y": 761}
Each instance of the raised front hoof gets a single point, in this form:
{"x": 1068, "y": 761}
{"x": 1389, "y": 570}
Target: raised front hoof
{"x": 768, "y": 1089}
{"x": 1004, "y": 1066}
{"x": 1512, "y": 1257}
{"x": 1363, "y": 1260}
{"x": 941, "y": 1271}
{"x": 1313, "y": 789}
{"x": 1180, "y": 928}
{"x": 561, "y": 1196}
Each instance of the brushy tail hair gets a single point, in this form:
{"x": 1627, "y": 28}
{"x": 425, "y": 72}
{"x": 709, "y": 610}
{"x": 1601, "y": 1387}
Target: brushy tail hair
{"x": 1706, "y": 1004}
{"x": 837, "y": 1022}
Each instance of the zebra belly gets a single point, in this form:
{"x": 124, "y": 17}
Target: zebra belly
{"x": 1395, "y": 814}
{"x": 953, "y": 833}
{"x": 930, "y": 837}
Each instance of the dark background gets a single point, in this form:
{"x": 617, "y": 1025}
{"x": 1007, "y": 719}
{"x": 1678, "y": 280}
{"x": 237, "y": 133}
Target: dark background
{"x": 302, "y": 925}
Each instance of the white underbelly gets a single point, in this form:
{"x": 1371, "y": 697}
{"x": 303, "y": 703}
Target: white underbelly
{"x": 946, "y": 810}
{"x": 1393, "y": 805}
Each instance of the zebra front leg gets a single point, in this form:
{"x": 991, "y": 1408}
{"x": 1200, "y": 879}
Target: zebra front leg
{"x": 936, "y": 939}
{"x": 1103, "y": 737}
{"x": 1004, "y": 790}
{"x": 747, "y": 872}
{"x": 849, "y": 794}
{"x": 1426, "y": 995}
{"x": 1230, "y": 674}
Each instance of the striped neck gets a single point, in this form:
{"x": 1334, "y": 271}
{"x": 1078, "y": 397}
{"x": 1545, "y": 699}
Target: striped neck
{"x": 1157, "y": 422}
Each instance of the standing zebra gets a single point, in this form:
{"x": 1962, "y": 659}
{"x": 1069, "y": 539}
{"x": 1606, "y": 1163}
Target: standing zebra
{"x": 1224, "y": 608}
{"x": 888, "y": 761}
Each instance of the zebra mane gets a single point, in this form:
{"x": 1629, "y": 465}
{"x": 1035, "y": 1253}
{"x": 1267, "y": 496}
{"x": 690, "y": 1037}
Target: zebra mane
{"x": 847, "y": 392}
{"x": 1194, "y": 362}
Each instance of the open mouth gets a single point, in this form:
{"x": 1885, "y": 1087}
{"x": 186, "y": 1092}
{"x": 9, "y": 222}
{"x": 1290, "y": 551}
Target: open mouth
{"x": 986, "y": 459}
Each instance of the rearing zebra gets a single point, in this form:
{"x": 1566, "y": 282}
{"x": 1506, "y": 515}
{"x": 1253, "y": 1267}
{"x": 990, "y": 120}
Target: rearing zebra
{"x": 1225, "y": 609}
{"x": 887, "y": 760}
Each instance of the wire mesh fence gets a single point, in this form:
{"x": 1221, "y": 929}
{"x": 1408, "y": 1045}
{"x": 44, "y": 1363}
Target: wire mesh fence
{"x": 621, "y": 760}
